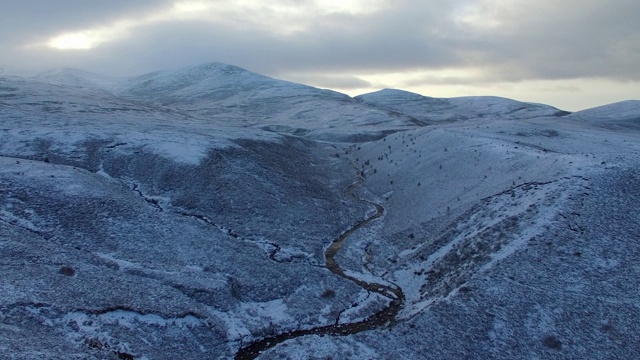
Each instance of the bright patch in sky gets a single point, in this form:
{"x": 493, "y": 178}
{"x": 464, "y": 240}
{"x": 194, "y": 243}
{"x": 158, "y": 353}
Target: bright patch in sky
{"x": 78, "y": 41}
{"x": 484, "y": 14}
{"x": 348, "y": 6}
{"x": 190, "y": 6}
{"x": 90, "y": 38}
{"x": 281, "y": 17}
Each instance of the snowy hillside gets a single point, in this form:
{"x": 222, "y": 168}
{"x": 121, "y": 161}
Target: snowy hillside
{"x": 235, "y": 96}
{"x": 211, "y": 212}
{"x": 428, "y": 109}
{"x": 621, "y": 115}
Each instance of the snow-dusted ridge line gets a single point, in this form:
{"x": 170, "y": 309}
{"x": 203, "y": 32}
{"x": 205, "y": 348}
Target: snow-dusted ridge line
{"x": 429, "y": 110}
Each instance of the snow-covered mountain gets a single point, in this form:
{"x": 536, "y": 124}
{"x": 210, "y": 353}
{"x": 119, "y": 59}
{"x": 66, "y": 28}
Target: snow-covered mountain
{"x": 431, "y": 110}
{"x": 236, "y": 96}
{"x": 620, "y": 115}
{"x": 211, "y": 212}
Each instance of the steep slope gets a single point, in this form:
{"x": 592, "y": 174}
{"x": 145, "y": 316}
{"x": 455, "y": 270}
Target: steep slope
{"x": 428, "y": 109}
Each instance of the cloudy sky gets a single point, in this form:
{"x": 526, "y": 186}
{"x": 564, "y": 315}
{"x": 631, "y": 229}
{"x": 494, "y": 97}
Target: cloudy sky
{"x": 572, "y": 54}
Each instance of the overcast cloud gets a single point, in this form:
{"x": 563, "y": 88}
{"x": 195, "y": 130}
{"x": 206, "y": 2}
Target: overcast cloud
{"x": 426, "y": 46}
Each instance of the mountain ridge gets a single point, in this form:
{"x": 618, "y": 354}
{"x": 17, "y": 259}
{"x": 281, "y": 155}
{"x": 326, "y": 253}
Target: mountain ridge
{"x": 208, "y": 70}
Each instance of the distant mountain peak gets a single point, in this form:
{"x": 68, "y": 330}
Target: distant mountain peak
{"x": 430, "y": 109}
{"x": 621, "y": 114}
{"x": 76, "y": 78}
{"x": 396, "y": 93}
{"x": 64, "y": 71}
{"x": 626, "y": 107}
{"x": 212, "y": 69}
{"x": 221, "y": 68}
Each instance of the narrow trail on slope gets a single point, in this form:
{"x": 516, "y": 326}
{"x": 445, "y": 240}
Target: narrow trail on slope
{"x": 378, "y": 320}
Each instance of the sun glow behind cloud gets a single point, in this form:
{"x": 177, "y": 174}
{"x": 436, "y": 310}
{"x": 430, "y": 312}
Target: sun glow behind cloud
{"x": 87, "y": 39}
{"x": 91, "y": 38}
{"x": 278, "y": 17}
{"x": 77, "y": 41}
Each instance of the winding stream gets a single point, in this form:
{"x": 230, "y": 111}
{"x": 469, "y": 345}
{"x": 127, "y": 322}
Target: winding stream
{"x": 377, "y": 320}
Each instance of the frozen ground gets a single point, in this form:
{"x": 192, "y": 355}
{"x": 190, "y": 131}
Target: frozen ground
{"x": 185, "y": 214}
